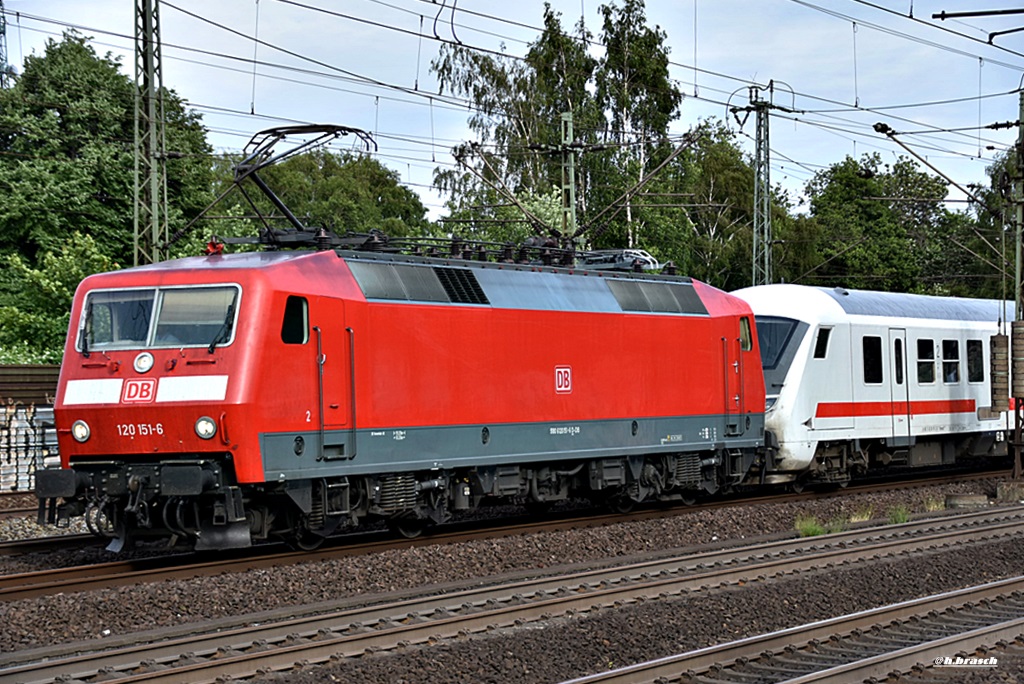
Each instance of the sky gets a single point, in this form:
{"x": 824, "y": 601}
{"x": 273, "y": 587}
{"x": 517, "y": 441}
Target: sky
{"x": 837, "y": 66}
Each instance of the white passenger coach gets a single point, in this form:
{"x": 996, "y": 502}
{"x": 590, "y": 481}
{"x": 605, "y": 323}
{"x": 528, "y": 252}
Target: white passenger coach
{"x": 858, "y": 380}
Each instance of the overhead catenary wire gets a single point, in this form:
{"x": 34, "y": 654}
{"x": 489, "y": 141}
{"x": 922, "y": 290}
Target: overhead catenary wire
{"x": 456, "y": 103}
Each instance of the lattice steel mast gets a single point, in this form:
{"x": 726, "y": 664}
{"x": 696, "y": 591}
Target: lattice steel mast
{"x": 3, "y": 47}
{"x": 150, "y": 217}
{"x": 762, "y": 253}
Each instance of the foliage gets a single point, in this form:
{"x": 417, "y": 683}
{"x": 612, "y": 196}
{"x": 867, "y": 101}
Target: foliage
{"x": 879, "y": 227}
{"x": 67, "y": 174}
{"x": 41, "y": 318}
{"x": 863, "y": 515}
{"x": 344, "y": 192}
{"x": 899, "y": 514}
{"x": 24, "y": 353}
{"x": 621, "y": 107}
{"x": 66, "y": 157}
{"x": 985, "y": 238}
{"x": 698, "y": 211}
{"x": 808, "y": 526}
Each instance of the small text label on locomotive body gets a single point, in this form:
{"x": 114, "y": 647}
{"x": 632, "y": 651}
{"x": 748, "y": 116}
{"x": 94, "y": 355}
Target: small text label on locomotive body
{"x": 563, "y": 379}
{"x": 571, "y": 430}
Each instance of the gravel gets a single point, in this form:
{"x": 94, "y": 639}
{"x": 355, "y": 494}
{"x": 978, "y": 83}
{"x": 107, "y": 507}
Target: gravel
{"x": 564, "y": 648}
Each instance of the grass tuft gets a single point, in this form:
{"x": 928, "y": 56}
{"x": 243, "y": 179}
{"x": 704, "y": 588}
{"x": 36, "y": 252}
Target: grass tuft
{"x": 899, "y": 515}
{"x": 808, "y": 526}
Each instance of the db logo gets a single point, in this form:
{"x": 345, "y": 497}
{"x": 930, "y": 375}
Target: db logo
{"x": 563, "y": 379}
{"x": 139, "y": 391}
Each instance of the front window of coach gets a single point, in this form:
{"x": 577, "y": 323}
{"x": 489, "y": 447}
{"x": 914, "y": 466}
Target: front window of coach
{"x": 159, "y": 317}
{"x": 778, "y": 338}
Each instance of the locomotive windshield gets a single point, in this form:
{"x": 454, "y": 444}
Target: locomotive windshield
{"x": 158, "y": 317}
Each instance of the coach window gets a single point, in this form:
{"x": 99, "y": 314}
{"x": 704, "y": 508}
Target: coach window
{"x": 975, "y": 361}
{"x": 951, "y": 361}
{"x": 821, "y": 343}
{"x": 897, "y": 355}
{"x": 872, "y": 360}
{"x": 746, "y": 341}
{"x": 295, "y": 328}
{"x": 925, "y": 361}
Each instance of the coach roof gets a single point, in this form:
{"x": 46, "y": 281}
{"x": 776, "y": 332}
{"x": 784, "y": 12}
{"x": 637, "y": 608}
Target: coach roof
{"x": 898, "y": 305}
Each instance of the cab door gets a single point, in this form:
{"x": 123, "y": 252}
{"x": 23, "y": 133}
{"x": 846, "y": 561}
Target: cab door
{"x": 734, "y": 386}
{"x": 327, "y": 320}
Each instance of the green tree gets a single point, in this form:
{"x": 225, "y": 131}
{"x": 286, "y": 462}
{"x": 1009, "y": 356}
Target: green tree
{"x": 66, "y": 173}
{"x": 517, "y": 112}
{"x": 711, "y": 182}
{"x": 639, "y": 99}
{"x": 621, "y": 106}
{"x": 343, "y": 192}
{"x": 875, "y": 222}
{"x": 984, "y": 243}
{"x": 40, "y": 320}
{"x": 66, "y": 153}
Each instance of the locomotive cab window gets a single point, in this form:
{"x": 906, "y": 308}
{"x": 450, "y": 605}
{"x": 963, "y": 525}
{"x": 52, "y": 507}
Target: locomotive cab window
{"x": 158, "y": 317}
{"x": 116, "y": 319}
{"x": 872, "y": 347}
{"x": 295, "y": 328}
{"x": 746, "y": 341}
{"x": 925, "y": 361}
{"x": 975, "y": 361}
{"x": 951, "y": 361}
{"x": 821, "y": 343}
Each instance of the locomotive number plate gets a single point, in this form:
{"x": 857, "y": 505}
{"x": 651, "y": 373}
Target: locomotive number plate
{"x": 139, "y": 429}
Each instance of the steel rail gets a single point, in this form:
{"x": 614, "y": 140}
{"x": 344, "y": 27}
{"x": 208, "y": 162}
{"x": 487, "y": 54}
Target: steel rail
{"x": 702, "y": 660}
{"x": 245, "y": 649}
{"x": 128, "y": 572}
{"x": 27, "y": 585}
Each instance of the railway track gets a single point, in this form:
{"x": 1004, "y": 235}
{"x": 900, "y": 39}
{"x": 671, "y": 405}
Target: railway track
{"x": 17, "y": 504}
{"x": 170, "y": 564}
{"x": 869, "y": 644}
{"x": 274, "y": 641}
{"x": 185, "y": 565}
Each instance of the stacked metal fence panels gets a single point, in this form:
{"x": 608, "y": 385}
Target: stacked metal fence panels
{"x": 27, "y": 435}
{"x": 26, "y": 438}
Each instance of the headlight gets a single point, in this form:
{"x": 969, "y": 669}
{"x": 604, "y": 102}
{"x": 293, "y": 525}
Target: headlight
{"x": 206, "y": 428}
{"x": 143, "y": 362}
{"x": 769, "y": 402}
{"x": 80, "y": 431}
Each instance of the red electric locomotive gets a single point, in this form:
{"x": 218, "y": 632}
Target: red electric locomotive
{"x": 226, "y": 399}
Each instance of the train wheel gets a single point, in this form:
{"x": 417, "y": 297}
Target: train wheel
{"x": 410, "y": 528}
{"x": 621, "y": 503}
{"x": 306, "y": 541}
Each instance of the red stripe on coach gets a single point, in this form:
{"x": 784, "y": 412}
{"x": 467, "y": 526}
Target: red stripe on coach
{"x": 863, "y": 409}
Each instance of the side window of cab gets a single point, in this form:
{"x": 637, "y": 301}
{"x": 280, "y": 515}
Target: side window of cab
{"x": 295, "y": 327}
